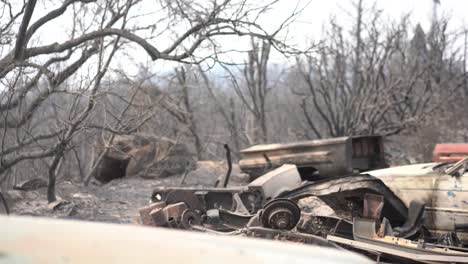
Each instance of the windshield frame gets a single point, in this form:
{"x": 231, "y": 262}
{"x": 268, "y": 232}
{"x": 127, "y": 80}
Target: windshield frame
{"x": 451, "y": 170}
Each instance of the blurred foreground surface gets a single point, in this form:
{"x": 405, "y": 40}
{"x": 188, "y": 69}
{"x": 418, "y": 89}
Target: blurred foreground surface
{"x": 38, "y": 240}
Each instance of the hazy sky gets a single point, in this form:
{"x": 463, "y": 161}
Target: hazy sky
{"x": 319, "y": 11}
{"x": 307, "y": 27}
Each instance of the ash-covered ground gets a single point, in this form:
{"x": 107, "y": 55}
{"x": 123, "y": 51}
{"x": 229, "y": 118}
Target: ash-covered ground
{"x": 119, "y": 200}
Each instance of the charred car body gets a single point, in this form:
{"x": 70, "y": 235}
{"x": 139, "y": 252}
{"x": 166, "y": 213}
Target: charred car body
{"x": 317, "y": 159}
{"x": 442, "y": 187}
{"x": 386, "y": 215}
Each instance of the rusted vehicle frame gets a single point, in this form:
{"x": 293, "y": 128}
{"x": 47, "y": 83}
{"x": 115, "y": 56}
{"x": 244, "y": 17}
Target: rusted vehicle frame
{"x": 244, "y": 199}
{"x": 344, "y": 195}
{"x": 317, "y": 159}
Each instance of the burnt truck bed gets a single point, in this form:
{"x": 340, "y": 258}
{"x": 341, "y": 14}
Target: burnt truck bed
{"x": 317, "y": 159}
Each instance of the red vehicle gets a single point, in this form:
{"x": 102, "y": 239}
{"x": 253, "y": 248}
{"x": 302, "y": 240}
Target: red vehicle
{"x": 450, "y": 152}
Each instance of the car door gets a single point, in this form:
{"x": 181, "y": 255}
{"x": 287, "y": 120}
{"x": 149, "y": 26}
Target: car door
{"x": 450, "y": 201}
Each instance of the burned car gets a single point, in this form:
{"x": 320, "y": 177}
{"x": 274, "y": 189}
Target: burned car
{"x": 442, "y": 187}
{"x": 408, "y": 214}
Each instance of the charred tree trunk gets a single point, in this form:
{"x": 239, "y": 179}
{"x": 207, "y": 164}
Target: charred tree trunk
{"x": 233, "y": 126}
{"x": 53, "y": 171}
{"x": 190, "y": 116}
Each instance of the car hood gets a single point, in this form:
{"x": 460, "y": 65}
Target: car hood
{"x": 407, "y": 170}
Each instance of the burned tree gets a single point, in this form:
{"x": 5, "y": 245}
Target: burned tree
{"x": 180, "y": 106}
{"x": 36, "y": 74}
{"x": 377, "y": 80}
{"x": 253, "y": 88}
{"x": 226, "y": 110}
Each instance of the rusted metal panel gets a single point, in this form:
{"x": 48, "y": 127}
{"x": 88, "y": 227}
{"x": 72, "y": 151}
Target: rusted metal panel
{"x": 450, "y": 152}
{"x": 36, "y": 240}
{"x": 322, "y": 158}
{"x": 145, "y": 217}
{"x": 373, "y": 205}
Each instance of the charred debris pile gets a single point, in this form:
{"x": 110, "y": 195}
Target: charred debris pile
{"x": 407, "y": 214}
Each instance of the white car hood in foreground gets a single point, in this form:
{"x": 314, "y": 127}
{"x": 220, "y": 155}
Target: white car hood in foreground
{"x": 407, "y": 170}
{"x": 40, "y": 240}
